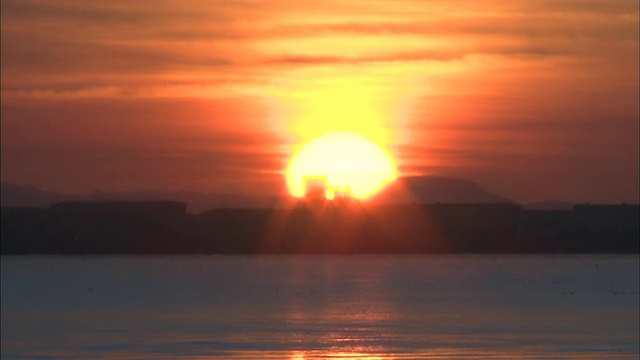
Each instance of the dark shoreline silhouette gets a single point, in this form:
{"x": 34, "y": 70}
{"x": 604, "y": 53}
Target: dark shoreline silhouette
{"x": 407, "y": 189}
{"x": 338, "y": 227}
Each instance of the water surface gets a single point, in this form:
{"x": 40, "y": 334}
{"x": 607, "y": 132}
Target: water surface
{"x": 317, "y": 307}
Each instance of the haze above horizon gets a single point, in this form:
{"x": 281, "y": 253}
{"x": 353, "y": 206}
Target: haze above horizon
{"x": 532, "y": 101}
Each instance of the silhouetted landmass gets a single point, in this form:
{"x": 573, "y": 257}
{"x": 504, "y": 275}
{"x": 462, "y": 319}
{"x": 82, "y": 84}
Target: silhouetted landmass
{"x": 549, "y": 205}
{"x": 30, "y": 196}
{"x": 341, "y": 226}
{"x": 431, "y": 189}
{"x": 407, "y": 190}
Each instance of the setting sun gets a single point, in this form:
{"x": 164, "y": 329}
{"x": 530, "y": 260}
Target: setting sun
{"x": 346, "y": 163}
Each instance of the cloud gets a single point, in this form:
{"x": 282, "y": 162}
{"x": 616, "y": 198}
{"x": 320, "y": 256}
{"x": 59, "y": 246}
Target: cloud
{"x": 207, "y": 86}
{"x": 44, "y": 39}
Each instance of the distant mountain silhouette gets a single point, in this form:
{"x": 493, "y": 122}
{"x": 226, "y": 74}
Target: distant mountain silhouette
{"x": 30, "y": 196}
{"x": 415, "y": 189}
{"x": 436, "y": 189}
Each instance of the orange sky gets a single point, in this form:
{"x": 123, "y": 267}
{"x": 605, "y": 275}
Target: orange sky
{"x": 532, "y": 100}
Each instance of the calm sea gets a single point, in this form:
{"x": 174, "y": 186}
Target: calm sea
{"x": 321, "y": 307}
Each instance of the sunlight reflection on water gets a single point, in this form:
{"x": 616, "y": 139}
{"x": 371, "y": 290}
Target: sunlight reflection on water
{"x": 320, "y": 307}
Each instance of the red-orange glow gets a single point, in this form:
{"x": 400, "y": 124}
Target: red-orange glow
{"x": 534, "y": 100}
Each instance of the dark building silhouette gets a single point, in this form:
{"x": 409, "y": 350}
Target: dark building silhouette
{"x": 343, "y": 226}
{"x": 96, "y": 227}
{"x": 315, "y": 188}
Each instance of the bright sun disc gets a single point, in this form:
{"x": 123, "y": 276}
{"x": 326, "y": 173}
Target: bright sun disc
{"x": 347, "y": 163}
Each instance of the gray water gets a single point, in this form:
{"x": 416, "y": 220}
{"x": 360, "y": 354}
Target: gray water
{"x": 319, "y": 307}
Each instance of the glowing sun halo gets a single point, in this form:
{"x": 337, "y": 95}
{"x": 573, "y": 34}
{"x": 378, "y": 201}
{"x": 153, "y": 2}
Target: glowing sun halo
{"x": 347, "y": 162}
